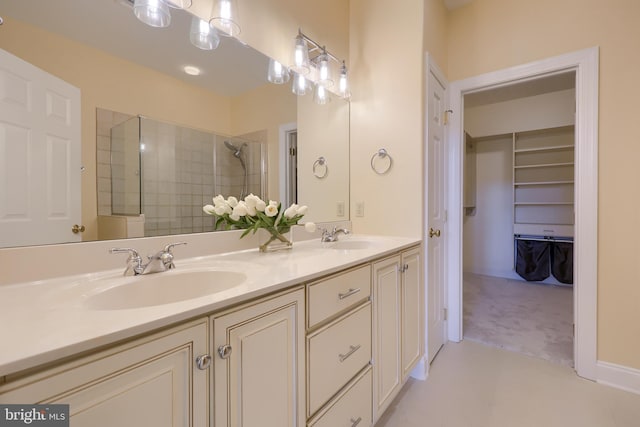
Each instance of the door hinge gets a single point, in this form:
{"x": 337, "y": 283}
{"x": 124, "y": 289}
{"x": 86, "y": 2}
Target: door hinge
{"x": 444, "y": 313}
{"x": 574, "y": 330}
{"x": 446, "y": 215}
{"x": 292, "y": 151}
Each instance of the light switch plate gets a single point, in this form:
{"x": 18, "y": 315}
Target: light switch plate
{"x": 360, "y": 209}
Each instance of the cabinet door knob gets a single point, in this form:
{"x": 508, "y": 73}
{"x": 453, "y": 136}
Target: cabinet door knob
{"x": 203, "y": 362}
{"x": 354, "y": 423}
{"x": 225, "y": 351}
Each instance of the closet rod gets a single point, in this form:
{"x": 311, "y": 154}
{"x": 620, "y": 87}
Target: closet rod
{"x": 544, "y": 239}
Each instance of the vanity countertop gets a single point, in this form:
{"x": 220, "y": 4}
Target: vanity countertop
{"x": 47, "y": 320}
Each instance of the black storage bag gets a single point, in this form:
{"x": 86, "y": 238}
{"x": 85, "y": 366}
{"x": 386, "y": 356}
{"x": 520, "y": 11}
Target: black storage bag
{"x": 562, "y": 262}
{"x": 532, "y": 260}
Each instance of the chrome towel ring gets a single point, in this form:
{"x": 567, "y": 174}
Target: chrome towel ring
{"x": 382, "y": 169}
{"x": 320, "y": 168}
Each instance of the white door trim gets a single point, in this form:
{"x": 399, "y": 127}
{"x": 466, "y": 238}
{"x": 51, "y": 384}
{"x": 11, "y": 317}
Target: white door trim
{"x": 283, "y": 154}
{"x": 585, "y": 64}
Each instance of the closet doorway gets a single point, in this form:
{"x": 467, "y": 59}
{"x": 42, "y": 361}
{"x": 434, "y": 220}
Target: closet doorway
{"x": 585, "y": 64}
{"x": 518, "y": 217}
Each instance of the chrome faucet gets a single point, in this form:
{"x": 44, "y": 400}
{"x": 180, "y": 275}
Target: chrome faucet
{"x": 332, "y": 236}
{"x": 161, "y": 261}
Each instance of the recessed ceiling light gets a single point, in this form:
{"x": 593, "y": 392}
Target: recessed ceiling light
{"x": 191, "y": 70}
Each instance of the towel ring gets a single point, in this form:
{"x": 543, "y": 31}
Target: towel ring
{"x": 382, "y": 153}
{"x": 320, "y": 163}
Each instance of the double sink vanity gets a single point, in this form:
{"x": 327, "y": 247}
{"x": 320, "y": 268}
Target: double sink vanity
{"x": 324, "y": 334}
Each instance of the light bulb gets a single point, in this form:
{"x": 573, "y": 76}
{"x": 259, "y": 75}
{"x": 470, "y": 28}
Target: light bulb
{"x": 300, "y": 56}
{"x": 321, "y": 95}
{"x": 343, "y": 82}
{"x": 324, "y": 75}
{"x": 300, "y": 85}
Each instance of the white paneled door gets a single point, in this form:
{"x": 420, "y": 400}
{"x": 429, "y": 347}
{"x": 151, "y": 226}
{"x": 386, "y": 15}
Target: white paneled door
{"x": 39, "y": 155}
{"x": 436, "y": 215}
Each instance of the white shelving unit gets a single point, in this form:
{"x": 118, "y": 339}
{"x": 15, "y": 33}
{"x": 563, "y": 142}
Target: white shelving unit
{"x": 543, "y": 182}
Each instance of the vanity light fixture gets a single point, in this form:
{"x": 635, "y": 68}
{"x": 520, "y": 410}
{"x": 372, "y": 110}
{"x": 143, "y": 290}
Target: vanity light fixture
{"x": 202, "y": 35}
{"x": 277, "y": 73}
{"x": 300, "y": 85}
{"x": 154, "y": 13}
{"x": 307, "y": 55}
{"x": 191, "y": 70}
{"x": 224, "y": 16}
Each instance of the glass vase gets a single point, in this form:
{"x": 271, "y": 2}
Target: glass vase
{"x": 273, "y": 240}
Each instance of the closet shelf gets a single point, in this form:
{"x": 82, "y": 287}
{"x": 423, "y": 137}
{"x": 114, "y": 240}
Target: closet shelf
{"x": 538, "y": 149}
{"x": 546, "y": 165}
{"x": 518, "y": 184}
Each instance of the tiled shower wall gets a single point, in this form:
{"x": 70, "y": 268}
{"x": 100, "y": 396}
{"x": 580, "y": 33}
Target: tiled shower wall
{"x": 182, "y": 169}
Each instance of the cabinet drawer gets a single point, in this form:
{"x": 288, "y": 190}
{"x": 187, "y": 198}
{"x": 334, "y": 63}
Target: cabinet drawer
{"x": 336, "y": 354}
{"x": 331, "y": 296}
{"x": 351, "y": 408}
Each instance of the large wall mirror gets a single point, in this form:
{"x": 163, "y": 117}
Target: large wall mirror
{"x": 131, "y": 133}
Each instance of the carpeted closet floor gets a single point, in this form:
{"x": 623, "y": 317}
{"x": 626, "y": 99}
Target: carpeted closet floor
{"x": 529, "y": 318}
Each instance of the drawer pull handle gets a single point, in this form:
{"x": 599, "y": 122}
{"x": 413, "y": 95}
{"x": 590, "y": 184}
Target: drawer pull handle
{"x": 352, "y": 349}
{"x": 350, "y": 292}
{"x": 354, "y": 423}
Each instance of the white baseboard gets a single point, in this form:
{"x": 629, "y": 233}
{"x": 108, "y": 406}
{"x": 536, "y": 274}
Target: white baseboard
{"x": 617, "y": 376}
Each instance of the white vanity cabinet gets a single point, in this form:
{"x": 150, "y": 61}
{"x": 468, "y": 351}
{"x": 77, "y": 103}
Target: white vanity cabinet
{"x": 258, "y": 377}
{"x": 339, "y": 318}
{"x": 398, "y": 300}
{"x": 152, "y": 381}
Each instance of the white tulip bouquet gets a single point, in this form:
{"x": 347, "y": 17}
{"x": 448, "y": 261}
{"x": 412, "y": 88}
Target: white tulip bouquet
{"x": 252, "y": 213}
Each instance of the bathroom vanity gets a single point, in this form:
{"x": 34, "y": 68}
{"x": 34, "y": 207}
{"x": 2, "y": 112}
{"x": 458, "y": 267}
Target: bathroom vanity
{"x": 321, "y": 335}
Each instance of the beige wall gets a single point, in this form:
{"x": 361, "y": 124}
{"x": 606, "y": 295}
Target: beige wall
{"x": 488, "y": 35}
{"x": 112, "y": 83}
{"x": 386, "y": 112}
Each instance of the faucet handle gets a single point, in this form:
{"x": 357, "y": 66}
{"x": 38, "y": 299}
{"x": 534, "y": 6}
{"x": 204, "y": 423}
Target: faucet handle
{"x": 171, "y": 245}
{"x": 133, "y": 254}
{"x": 134, "y": 261}
{"x": 167, "y": 256}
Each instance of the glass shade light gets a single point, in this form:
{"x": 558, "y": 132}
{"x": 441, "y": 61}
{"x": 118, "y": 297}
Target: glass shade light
{"x": 224, "y": 16}
{"x": 179, "y": 4}
{"x": 152, "y": 12}
{"x": 277, "y": 73}
{"x": 202, "y": 35}
{"x": 300, "y": 56}
{"x": 300, "y": 85}
{"x": 321, "y": 95}
{"x": 324, "y": 73}
{"x": 343, "y": 82}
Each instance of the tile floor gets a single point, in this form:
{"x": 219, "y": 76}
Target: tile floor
{"x": 474, "y": 385}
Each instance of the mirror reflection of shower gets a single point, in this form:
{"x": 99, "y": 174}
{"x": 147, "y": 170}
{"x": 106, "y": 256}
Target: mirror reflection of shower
{"x": 238, "y": 153}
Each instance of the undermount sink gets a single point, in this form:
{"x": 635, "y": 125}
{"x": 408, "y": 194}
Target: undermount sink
{"x": 163, "y": 288}
{"x": 350, "y": 244}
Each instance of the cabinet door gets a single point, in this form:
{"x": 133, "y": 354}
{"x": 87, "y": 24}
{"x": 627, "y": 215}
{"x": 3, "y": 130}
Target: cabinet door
{"x": 387, "y": 334}
{"x": 412, "y": 310}
{"x": 150, "y": 382}
{"x": 259, "y": 382}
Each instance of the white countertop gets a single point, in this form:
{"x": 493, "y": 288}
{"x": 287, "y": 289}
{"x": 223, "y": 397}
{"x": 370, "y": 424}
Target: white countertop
{"x": 47, "y": 320}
